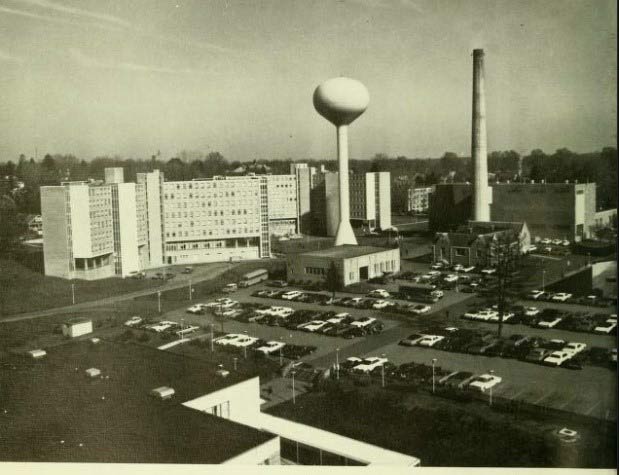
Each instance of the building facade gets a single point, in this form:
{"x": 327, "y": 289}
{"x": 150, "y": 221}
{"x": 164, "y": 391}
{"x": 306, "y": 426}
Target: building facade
{"x": 96, "y": 230}
{"x": 473, "y": 244}
{"x": 354, "y": 264}
{"x": 418, "y": 199}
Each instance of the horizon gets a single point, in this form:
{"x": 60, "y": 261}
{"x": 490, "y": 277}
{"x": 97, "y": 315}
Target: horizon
{"x": 127, "y": 80}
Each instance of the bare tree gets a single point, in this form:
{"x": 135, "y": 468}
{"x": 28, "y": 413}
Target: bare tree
{"x": 332, "y": 279}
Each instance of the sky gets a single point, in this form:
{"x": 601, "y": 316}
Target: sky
{"x": 130, "y": 78}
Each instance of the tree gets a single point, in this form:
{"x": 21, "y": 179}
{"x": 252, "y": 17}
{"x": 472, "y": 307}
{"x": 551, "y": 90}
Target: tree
{"x": 333, "y": 281}
{"x": 10, "y": 225}
{"x": 503, "y": 252}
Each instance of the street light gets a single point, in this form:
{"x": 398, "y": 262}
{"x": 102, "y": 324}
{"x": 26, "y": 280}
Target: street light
{"x": 182, "y": 326}
{"x": 281, "y": 354}
{"x": 159, "y": 301}
{"x": 245, "y": 347}
{"x": 491, "y": 373}
{"x": 73, "y": 293}
{"x": 382, "y": 372}
{"x": 190, "y": 290}
{"x": 433, "y": 384}
{"x": 293, "y": 395}
{"x": 235, "y": 359}
{"x": 543, "y": 280}
{"x": 337, "y": 363}
{"x": 212, "y": 337}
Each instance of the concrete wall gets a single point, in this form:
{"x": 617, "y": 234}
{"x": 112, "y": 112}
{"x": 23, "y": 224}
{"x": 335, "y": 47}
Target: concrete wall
{"x": 80, "y": 221}
{"x": 56, "y": 251}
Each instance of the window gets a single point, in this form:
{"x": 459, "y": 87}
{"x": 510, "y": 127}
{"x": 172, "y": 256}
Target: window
{"x": 460, "y": 251}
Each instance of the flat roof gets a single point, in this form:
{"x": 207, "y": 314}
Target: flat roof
{"x": 116, "y": 419}
{"x": 346, "y": 252}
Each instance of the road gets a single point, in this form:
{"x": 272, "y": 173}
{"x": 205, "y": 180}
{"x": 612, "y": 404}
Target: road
{"x": 200, "y": 274}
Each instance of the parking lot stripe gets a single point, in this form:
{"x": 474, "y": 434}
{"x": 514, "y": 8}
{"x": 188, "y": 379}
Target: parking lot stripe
{"x": 569, "y": 401}
{"x": 515, "y": 396}
{"x": 590, "y": 410}
{"x": 544, "y": 396}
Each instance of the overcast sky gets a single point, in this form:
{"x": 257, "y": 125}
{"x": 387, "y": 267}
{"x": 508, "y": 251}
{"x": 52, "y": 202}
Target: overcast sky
{"x": 130, "y": 77}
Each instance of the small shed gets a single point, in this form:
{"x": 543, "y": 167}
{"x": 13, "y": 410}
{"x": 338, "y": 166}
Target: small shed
{"x": 77, "y": 327}
{"x": 36, "y": 354}
{"x": 163, "y": 392}
{"x": 93, "y": 372}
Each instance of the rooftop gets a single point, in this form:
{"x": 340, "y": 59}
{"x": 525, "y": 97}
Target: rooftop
{"x": 346, "y": 252}
{"x": 114, "y": 416}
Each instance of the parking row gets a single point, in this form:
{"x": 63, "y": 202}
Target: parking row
{"x": 549, "y": 352}
{"x": 598, "y": 323}
{"x": 592, "y": 300}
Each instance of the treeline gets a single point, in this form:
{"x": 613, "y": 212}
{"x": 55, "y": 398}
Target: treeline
{"x": 599, "y": 167}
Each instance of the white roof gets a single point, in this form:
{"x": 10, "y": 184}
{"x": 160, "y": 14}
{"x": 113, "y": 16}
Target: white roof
{"x": 331, "y": 442}
{"x": 37, "y": 353}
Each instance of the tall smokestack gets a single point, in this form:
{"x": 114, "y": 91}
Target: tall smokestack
{"x": 479, "y": 153}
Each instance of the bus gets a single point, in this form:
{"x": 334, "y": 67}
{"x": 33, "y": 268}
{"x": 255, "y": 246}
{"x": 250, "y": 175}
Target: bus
{"x": 425, "y": 293}
{"x": 254, "y": 277}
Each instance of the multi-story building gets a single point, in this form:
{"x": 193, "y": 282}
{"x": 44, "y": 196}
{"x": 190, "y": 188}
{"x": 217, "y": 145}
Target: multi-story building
{"x": 91, "y": 229}
{"x": 418, "y": 199}
{"x": 100, "y": 229}
{"x": 306, "y": 178}
{"x": 370, "y": 202}
{"x": 216, "y": 219}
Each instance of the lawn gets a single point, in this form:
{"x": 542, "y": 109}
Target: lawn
{"x": 23, "y": 290}
{"x": 443, "y": 432}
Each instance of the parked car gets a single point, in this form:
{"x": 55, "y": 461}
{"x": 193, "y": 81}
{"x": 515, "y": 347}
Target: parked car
{"x": 531, "y": 311}
{"x": 574, "y": 347}
{"x": 271, "y": 347}
{"x": 368, "y": 364}
{"x": 312, "y": 326}
{"x": 380, "y": 293}
{"x": 196, "y": 309}
{"x": 537, "y": 355}
{"x": 292, "y": 294}
{"x": 484, "y": 382}
{"x": 430, "y": 340}
{"x": 363, "y": 322}
{"x": 488, "y": 271}
{"x": 550, "y": 323}
{"x": 561, "y": 297}
{"x": 557, "y": 358}
{"x": 411, "y": 340}
{"x": 458, "y": 380}
{"x": 229, "y": 288}
{"x": 536, "y": 294}
{"x": 451, "y": 278}
{"x": 419, "y": 309}
{"x": 606, "y": 328}
{"x": 133, "y": 321}
{"x": 380, "y": 304}
{"x": 278, "y": 283}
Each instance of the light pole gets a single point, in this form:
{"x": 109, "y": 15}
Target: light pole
{"x": 73, "y": 293}
{"x": 235, "y": 359}
{"x": 190, "y": 290}
{"x": 159, "y": 301}
{"x": 337, "y": 363}
{"x": 182, "y": 326}
{"x": 382, "y": 372}
{"x": 293, "y": 395}
{"x": 212, "y": 337}
{"x": 245, "y": 347}
{"x": 281, "y": 354}
{"x": 433, "y": 384}
{"x": 543, "y": 280}
{"x": 491, "y": 373}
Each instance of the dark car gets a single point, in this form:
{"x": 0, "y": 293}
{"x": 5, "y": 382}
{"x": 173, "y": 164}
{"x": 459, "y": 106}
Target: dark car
{"x": 278, "y": 283}
{"x": 458, "y": 379}
{"x": 537, "y": 355}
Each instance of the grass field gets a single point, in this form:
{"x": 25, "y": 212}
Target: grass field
{"x": 23, "y": 290}
{"x": 443, "y": 432}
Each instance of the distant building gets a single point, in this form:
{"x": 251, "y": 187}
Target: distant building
{"x": 553, "y": 210}
{"x": 35, "y": 224}
{"x": 282, "y": 195}
{"x": 306, "y": 182}
{"x": 370, "y": 202}
{"x": 471, "y": 245}
{"x": 418, "y": 199}
{"x": 354, "y": 263}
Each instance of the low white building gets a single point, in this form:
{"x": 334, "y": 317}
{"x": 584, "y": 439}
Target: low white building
{"x": 77, "y": 327}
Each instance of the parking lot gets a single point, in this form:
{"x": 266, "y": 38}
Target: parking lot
{"x": 589, "y": 391}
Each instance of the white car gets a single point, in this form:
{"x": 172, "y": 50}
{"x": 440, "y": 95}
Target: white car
{"x": 451, "y": 278}
{"x": 292, "y": 294}
{"x": 381, "y": 304}
{"x": 458, "y": 268}
{"x": 197, "y": 308}
{"x": 549, "y": 323}
{"x": 488, "y": 271}
{"x": 434, "y": 273}
{"x": 484, "y": 382}
{"x": 546, "y": 241}
{"x": 355, "y": 301}
{"x": 606, "y": 329}
{"x": 536, "y": 294}
{"x": 561, "y": 297}
{"x": 430, "y": 340}
{"x": 468, "y": 268}
{"x": 281, "y": 311}
{"x": 557, "y": 242}
{"x": 271, "y": 347}
{"x": 382, "y": 293}
{"x": 162, "y": 326}
{"x": 228, "y": 339}
{"x": 228, "y": 288}
{"x": 437, "y": 294}
{"x": 531, "y": 311}
{"x": 529, "y": 248}
{"x": 338, "y": 318}
{"x": 420, "y": 309}
{"x": 557, "y": 358}
{"x": 565, "y": 243}
{"x": 574, "y": 347}
{"x": 135, "y": 320}
{"x": 472, "y": 314}
{"x": 487, "y": 314}
{"x": 363, "y": 322}
{"x": 244, "y": 341}
{"x": 312, "y": 326}
{"x": 507, "y": 316}
{"x": 222, "y": 303}
{"x": 368, "y": 364}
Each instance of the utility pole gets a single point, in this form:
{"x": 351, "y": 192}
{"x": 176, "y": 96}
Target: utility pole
{"x": 190, "y": 290}
{"x": 73, "y": 293}
{"x": 293, "y": 395}
{"x": 433, "y": 384}
{"x": 159, "y": 301}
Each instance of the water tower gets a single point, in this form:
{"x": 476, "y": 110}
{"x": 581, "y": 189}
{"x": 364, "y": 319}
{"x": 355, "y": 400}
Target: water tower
{"x": 340, "y": 101}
